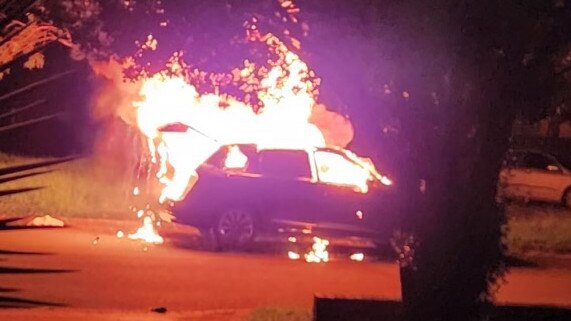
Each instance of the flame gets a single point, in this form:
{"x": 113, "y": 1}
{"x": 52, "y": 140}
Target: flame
{"x": 286, "y": 94}
{"x": 277, "y": 107}
{"x": 357, "y": 257}
{"x": 293, "y": 255}
{"x": 147, "y": 232}
{"x": 318, "y": 251}
{"x": 235, "y": 158}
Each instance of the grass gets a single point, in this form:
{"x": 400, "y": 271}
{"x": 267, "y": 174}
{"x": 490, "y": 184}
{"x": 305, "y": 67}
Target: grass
{"x": 281, "y": 314}
{"x": 83, "y": 187}
{"x": 538, "y": 229}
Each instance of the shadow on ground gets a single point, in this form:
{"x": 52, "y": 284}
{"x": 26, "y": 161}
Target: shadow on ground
{"x": 18, "y": 302}
{"x": 15, "y": 302}
{"x": 276, "y": 246}
{"x": 333, "y": 309}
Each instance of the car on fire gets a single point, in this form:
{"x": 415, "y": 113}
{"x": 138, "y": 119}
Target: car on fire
{"x": 243, "y": 192}
{"x": 533, "y": 175}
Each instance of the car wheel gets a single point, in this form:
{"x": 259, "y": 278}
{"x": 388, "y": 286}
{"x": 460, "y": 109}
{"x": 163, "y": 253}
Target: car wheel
{"x": 235, "y": 229}
{"x": 567, "y": 198}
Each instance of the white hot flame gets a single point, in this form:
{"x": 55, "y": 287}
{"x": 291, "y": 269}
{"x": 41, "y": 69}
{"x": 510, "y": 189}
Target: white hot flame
{"x": 357, "y": 257}
{"x": 147, "y": 233}
{"x": 318, "y": 251}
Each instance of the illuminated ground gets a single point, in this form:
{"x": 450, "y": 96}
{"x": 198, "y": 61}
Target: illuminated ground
{"x": 119, "y": 275}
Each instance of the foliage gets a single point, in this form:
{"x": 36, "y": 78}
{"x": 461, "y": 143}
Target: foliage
{"x": 538, "y": 229}
{"x": 456, "y": 79}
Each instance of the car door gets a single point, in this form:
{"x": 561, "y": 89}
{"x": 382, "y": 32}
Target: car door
{"x": 343, "y": 188}
{"x": 544, "y": 177}
{"x": 287, "y": 180}
{"x": 512, "y": 180}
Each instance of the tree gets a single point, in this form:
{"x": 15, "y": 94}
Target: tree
{"x": 462, "y": 79}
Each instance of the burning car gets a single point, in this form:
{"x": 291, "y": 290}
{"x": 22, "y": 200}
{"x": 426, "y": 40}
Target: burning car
{"x": 243, "y": 191}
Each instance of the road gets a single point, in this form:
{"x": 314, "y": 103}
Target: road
{"x": 86, "y": 267}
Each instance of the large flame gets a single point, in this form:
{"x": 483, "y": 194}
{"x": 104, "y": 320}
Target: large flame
{"x": 279, "y": 108}
{"x": 286, "y": 94}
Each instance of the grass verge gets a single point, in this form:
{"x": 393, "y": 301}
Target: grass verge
{"x": 80, "y": 188}
{"x": 281, "y": 314}
{"x": 538, "y": 229}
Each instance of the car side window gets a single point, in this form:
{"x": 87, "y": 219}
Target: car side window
{"x": 292, "y": 164}
{"x": 335, "y": 169}
{"x": 234, "y": 159}
{"x": 537, "y": 161}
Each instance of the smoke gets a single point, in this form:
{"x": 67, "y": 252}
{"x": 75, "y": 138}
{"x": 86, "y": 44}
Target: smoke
{"x": 336, "y": 129}
{"x": 115, "y": 96}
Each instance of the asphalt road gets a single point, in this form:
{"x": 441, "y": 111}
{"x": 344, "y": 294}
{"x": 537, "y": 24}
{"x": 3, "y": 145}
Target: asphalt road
{"x": 87, "y": 267}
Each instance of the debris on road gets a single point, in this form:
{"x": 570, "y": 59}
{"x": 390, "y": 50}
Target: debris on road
{"x": 147, "y": 232}
{"x": 46, "y": 220}
{"x": 95, "y": 241}
{"x": 159, "y": 310}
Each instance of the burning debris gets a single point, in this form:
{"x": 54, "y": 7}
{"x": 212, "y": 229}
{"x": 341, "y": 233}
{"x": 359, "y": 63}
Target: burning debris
{"x": 147, "y": 232}
{"x": 317, "y": 254}
{"x": 318, "y": 251}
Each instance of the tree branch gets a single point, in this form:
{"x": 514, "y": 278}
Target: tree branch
{"x": 28, "y": 122}
{"x": 17, "y": 110}
{"x": 35, "y": 84}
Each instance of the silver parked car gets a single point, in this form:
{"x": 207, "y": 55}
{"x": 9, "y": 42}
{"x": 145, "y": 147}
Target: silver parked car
{"x": 536, "y": 176}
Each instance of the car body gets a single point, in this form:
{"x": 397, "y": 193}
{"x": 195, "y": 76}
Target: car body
{"x": 247, "y": 191}
{"x": 533, "y": 175}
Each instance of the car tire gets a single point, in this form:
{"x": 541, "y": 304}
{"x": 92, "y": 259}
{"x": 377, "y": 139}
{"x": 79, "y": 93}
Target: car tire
{"x": 207, "y": 240}
{"x": 235, "y": 229}
{"x": 567, "y": 198}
